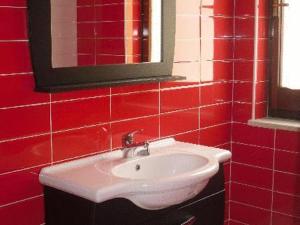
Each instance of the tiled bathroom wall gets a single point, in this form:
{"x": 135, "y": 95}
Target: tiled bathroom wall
{"x": 265, "y": 165}
{"x": 39, "y": 129}
{"x": 212, "y": 107}
{"x": 102, "y": 33}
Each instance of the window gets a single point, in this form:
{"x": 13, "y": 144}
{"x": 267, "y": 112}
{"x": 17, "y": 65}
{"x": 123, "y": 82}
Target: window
{"x": 285, "y": 59}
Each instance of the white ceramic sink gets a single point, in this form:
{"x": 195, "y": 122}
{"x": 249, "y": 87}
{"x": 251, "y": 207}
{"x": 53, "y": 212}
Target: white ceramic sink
{"x": 166, "y": 166}
{"x": 173, "y": 173}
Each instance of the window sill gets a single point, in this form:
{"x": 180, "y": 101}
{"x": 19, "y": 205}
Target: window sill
{"x": 276, "y": 123}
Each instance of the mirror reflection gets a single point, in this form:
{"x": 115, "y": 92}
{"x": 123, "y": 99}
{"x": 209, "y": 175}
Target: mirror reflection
{"x": 99, "y": 32}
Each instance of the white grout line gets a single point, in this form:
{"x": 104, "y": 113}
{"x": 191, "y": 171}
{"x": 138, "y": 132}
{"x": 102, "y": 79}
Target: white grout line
{"x": 180, "y": 87}
{"x": 178, "y": 134}
{"x": 252, "y": 166}
{"x": 135, "y": 92}
{"x": 232, "y": 107}
{"x": 80, "y": 128}
{"x": 51, "y": 130}
{"x": 13, "y": 7}
{"x": 24, "y": 169}
{"x": 251, "y": 145}
{"x": 159, "y": 110}
{"x": 82, "y": 156}
{"x": 266, "y": 147}
{"x": 237, "y": 221}
{"x": 251, "y": 206}
{"x": 251, "y": 186}
{"x": 23, "y": 137}
{"x": 265, "y": 168}
{"x": 13, "y": 41}
{"x": 255, "y": 63}
{"x": 20, "y": 201}
{"x": 110, "y": 115}
{"x": 24, "y": 106}
{"x": 217, "y": 125}
{"x": 263, "y": 209}
{"x": 273, "y": 176}
{"x": 16, "y": 74}
{"x": 80, "y": 99}
{"x": 215, "y": 104}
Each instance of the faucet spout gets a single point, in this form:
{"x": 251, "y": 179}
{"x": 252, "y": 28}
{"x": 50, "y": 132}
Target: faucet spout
{"x": 131, "y": 148}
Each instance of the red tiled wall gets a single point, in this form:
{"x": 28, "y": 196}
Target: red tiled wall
{"x": 265, "y": 173}
{"x": 99, "y": 31}
{"x": 262, "y": 182}
{"x": 39, "y": 129}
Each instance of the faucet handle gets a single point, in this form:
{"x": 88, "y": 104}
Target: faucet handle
{"x": 128, "y": 139}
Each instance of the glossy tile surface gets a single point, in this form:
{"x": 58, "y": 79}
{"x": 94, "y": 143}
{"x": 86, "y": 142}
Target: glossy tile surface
{"x": 265, "y": 162}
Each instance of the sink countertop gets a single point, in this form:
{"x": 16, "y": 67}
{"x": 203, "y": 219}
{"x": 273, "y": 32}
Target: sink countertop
{"x": 92, "y": 177}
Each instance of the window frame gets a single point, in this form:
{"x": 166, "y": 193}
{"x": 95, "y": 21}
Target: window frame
{"x": 284, "y": 102}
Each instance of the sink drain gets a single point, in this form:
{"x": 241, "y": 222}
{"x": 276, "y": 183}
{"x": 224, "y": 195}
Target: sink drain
{"x": 137, "y": 167}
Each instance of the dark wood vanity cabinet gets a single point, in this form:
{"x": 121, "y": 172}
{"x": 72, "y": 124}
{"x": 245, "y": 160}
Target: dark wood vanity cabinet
{"x": 207, "y": 208}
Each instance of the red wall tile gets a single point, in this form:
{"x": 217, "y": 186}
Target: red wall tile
{"x": 24, "y": 121}
{"x": 214, "y": 115}
{"x": 287, "y": 162}
{"x": 172, "y": 100}
{"x": 249, "y": 175}
{"x": 252, "y": 155}
{"x": 171, "y": 124}
{"x": 75, "y": 143}
{"x": 14, "y": 57}
{"x": 78, "y": 113}
{"x": 287, "y": 183}
{"x": 134, "y": 88}
{"x": 18, "y": 90}
{"x": 243, "y": 70}
{"x": 244, "y": 7}
{"x": 13, "y": 3}
{"x": 24, "y": 153}
{"x": 289, "y": 141}
{"x": 279, "y": 219}
{"x": 243, "y": 92}
{"x": 287, "y": 204}
{"x": 80, "y": 94}
{"x": 191, "y": 137}
{"x": 214, "y": 93}
{"x": 214, "y": 136}
{"x": 242, "y": 112}
{"x": 19, "y": 185}
{"x": 243, "y": 133}
{"x": 221, "y": 7}
{"x": 13, "y": 23}
{"x": 223, "y": 70}
{"x": 134, "y": 105}
{"x": 250, "y": 215}
{"x": 29, "y": 212}
{"x": 244, "y": 27}
{"x": 244, "y": 49}
{"x": 251, "y": 195}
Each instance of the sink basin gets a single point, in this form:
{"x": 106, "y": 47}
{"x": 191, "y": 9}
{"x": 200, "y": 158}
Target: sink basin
{"x": 166, "y": 166}
{"x": 173, "y": 173}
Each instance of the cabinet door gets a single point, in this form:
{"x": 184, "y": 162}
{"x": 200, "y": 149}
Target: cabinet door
{"x": 209, "y": 211}
{"x": 175, "y": 218}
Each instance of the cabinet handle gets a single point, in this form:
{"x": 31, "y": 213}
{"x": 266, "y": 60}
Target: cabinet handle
{"x": 190, "y": 221}
{"x": 281, "y": 5}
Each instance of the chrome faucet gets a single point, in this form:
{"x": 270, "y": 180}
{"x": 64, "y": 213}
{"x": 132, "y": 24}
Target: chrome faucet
{"x": 131, "y": 148}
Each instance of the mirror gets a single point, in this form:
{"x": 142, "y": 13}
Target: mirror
{"x": 89, "y": 33}
{"x": 77, "y": 44}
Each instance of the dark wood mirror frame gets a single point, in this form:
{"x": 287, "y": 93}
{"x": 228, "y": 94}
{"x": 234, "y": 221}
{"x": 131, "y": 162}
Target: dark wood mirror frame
{"x": 49, "y": 79}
